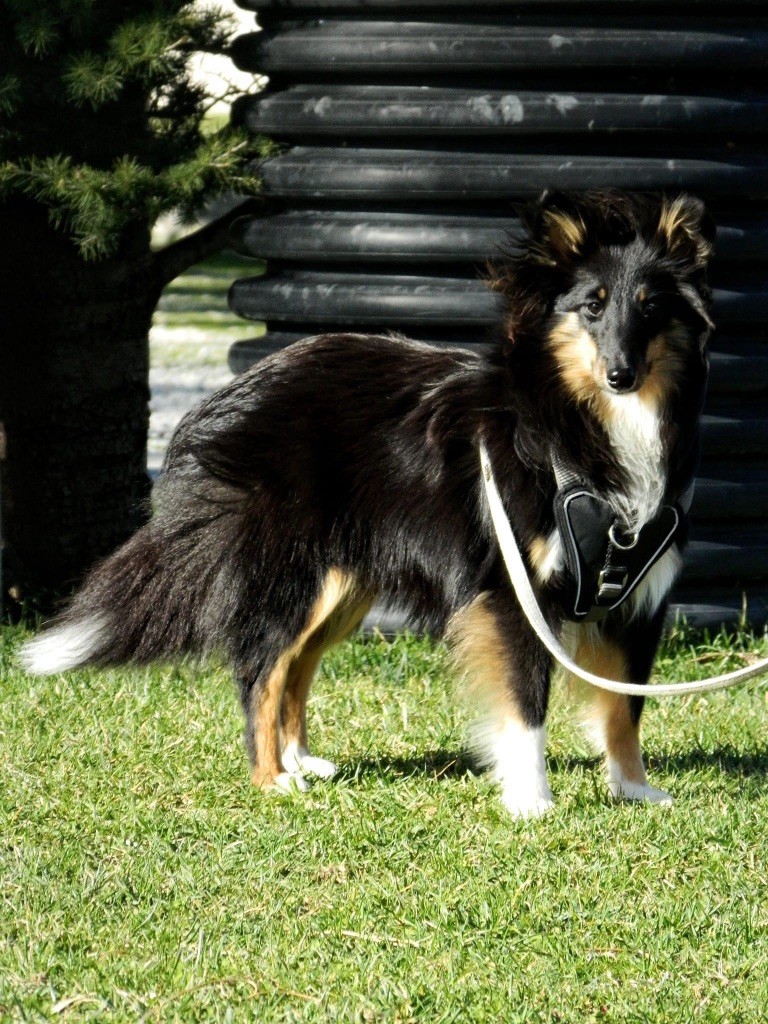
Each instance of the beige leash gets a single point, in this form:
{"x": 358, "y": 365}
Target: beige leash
{"x": 525, "y": 595}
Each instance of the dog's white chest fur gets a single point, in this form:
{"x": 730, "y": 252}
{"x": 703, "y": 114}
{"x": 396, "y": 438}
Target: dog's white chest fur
{"x": 634, "y": 430}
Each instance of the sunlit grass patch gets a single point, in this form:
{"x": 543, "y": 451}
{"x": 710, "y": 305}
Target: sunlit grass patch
{"x": 143, "y": 878}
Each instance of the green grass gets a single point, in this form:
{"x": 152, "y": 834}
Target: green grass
{"x": 193, "y": 326}
{"x": 141, "y": 877}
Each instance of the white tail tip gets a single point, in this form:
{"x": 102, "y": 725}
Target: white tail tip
{"x": 63, "y": 647}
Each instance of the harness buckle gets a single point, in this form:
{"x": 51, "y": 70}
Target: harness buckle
{"x": 613, "y": 579}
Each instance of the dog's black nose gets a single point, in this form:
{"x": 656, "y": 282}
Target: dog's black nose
{"x": 621, "y": 379}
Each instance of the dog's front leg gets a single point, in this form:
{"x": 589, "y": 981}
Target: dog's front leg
{"x": 508, "y": 670}
{"x": 624, "y": 652}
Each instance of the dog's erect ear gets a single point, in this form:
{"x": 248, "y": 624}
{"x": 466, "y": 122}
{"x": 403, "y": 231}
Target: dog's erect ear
{"x": 686, "y": 230}
{"x": 687, "y": 233}
{"x": 559, "y": 227}
{"x": 698, "y": 303}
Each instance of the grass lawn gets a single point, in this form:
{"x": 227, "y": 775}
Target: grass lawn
{"x": 141, "y": 877}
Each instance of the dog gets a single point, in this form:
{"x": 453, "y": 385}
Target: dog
{"x": 344, "y": 470}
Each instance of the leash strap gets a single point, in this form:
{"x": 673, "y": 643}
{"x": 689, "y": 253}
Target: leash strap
{"x": 525, "y": 595}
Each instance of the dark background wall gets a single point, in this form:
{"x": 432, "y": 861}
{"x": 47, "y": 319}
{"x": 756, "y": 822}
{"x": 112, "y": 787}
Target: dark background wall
{"x": 410, "y": 130}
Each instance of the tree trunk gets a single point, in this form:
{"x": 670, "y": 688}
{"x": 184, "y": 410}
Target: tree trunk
{"x": 74, "y": 410}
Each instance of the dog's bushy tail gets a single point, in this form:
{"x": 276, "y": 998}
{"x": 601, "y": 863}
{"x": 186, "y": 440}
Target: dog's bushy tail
{"x": 167, "y": 591}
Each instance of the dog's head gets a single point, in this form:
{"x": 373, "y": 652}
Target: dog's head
{"x": 611, "y": 287}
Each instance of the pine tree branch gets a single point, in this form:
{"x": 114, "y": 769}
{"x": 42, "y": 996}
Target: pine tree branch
{"x": 179, "y": 256}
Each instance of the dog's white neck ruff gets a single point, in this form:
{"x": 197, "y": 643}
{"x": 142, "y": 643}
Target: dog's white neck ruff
{"x": 525, "y": 595}
{"x": 634, "y": 431}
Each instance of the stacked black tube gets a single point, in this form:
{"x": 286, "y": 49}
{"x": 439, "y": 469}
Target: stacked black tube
{"x": 407, "y": 133}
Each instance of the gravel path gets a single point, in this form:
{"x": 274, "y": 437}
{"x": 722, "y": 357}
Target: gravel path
{"x": 177, "y": 388}
{"x": 189, "y": 341}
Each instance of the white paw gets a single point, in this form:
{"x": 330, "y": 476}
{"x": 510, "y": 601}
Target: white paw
{"x": 289, "y": 782}
{"x": 534, "y": 808}
{"x": 318, "y": 766}
{"x": 639, "y": 791}
{"x": 291, "y": 757}
{"x": 297, "y": 759}
{"x": 527, "y": 803}
{"x": 517, "y": 753}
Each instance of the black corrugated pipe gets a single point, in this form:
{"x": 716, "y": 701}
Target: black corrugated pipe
{"x": 411, "y": 128}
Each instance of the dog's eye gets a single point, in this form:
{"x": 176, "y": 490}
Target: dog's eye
{"x": 594, "y": 307}
{"x": 651, "y": 308}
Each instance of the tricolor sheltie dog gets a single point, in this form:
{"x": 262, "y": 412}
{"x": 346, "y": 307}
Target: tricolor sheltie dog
{"x": 344, "y": 470}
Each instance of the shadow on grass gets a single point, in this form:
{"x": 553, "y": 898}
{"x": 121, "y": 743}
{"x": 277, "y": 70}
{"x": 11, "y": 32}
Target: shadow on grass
{"x": 441, "y": 764}
{"x": 751, "y": 765}
{"x": 725, "y": 759}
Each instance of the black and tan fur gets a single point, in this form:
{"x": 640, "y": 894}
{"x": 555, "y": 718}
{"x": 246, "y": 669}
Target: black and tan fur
{"x": 344, "y": 470}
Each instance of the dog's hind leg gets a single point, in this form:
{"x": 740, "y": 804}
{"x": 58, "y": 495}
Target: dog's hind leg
{"x": 508, "y": 669}
{"x": 274, "y": 691}
{"x": 295, "y": 754}
{"x": 262, "y": 707}
{"x": 342, "y": 618}
{"x": 612, "y": 720}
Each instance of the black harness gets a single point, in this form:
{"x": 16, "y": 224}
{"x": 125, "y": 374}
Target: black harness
{"x": 605, "y": 562}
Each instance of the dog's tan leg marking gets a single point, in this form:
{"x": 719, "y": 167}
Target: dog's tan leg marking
{"x": 610, "y": 725}
{"x": 513, "y": 749}
{"x": 338, "y": 611}
{"x": 610, "y": 718}
{"x": 479, "y": 651}
{"x": 294, "y": 711}
{"x": 266, "y": 726}
{"x": 269, "y": 771}
{"x": 344, "y": 619}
